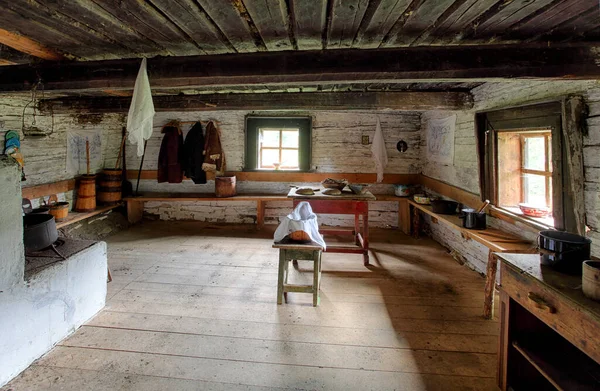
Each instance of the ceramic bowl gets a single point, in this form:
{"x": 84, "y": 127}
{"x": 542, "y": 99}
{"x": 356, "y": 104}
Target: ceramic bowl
{"x": 534, "y": 211}
{"x": 334, "y": 183}
{"x": 403, "y": 190}
{"x": 422, "y": 199}
{"x": 358, "y": 188}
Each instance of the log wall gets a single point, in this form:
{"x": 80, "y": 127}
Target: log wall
{"x": 464, "y": 171}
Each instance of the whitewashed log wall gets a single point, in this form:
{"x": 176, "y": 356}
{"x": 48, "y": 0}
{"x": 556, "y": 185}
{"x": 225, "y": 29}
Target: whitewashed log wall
{"x": 336, "y": 147}
{"x": 464, "y": 171}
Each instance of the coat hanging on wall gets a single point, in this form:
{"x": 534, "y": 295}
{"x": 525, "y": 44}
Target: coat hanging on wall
{"x": 193, "y": 154}
{"x": 141, "y": 111}
{"x": 214, "y": 157}
{"x": 170, "y": 157}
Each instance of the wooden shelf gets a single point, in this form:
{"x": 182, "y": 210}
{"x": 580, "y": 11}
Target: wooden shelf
{"x": 74, "y": 217}
{"x": 560, "y": 371}
{"x": 494, "y": 239}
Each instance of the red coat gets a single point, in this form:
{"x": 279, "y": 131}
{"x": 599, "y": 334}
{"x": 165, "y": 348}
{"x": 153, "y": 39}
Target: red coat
{"x": 170, "y": 158}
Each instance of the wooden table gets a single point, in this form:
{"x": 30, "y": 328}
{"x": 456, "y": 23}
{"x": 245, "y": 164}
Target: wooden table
{"x": 346, "y": 203}
{"x": 495, "y": 240}
{"x": 549, "y": 331}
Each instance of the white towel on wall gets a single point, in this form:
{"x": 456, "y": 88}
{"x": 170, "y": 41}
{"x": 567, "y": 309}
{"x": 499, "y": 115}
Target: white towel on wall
{"x": 379, "y": 152}
{"x": 141, "y": 111}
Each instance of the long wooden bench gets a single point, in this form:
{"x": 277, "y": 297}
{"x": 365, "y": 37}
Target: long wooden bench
{"x": 135, "y": 205}
{"x": 495, "y": 240}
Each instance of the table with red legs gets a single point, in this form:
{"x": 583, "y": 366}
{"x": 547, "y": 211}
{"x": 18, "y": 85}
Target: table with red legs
{"x": 346, "y": 203}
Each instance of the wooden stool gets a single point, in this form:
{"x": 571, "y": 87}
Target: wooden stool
{"x": 297, "y": 251}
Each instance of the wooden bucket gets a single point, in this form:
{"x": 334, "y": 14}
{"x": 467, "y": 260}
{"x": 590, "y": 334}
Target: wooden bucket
{"x": 225, "y": 186}
{"x": 86, "y": 195}
{"x": 591, "y": 279}
{"x": 59, "y": 210}
{"x": 109, "y": 192}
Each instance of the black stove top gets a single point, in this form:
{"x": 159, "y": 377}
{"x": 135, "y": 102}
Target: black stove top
{"x": 63, "y": 247}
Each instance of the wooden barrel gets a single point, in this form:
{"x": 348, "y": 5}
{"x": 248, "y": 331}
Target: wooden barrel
{"x": 591, "y": 279}
{"x": 86, "y": 194}
{"x": 59, "y": 210}
{"x": 225, "y": 186}
{"x": 109, "y": 191}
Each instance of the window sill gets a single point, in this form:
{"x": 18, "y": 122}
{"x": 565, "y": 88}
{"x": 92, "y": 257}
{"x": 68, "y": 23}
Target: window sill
{"x": 511, "y": 217}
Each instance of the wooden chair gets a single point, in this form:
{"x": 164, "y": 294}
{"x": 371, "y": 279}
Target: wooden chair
{"x": 294, "y": 252}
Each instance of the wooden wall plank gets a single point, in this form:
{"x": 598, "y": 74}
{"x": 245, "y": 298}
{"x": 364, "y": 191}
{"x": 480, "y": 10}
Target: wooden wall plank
{"x": 408, "y": 101}
{"x": 272, "y": 21}
{"x": 309, "y": 19}
{"x": 345, "y": 20}
{"x": 297, "y": 177}
{"x": 379, "y": 18}
{"x": 464, "y": 197}
{"x": 46, "y": 189}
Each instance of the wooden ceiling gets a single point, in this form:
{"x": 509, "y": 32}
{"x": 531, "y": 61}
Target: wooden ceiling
{"x": 117, "y": 29}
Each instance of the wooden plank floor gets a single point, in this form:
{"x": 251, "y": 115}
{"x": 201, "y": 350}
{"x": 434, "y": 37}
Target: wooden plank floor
{"x": 192, "y": 307}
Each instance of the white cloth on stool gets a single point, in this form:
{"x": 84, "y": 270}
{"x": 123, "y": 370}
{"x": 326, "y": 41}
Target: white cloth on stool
{"x": 141, "y": 111}
{"x": 379, "y": 152}
{"x": 301, "y": 219}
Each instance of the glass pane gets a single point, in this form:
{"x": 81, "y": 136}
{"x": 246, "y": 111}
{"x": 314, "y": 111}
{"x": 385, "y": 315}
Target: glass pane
{"x": 550, "y": 152}
{"x": 534, "y": 153}
{"x": 269, "y": 138}
{"x": 534, "y": 189}
{"x": 289, "y": 158}
{"x": 269, "y": 157}
{"x": 289, "y": 138}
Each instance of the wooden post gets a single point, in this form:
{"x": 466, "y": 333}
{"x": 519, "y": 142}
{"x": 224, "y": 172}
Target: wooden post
{"x": 503, "y": 340}
{"x": 260, "y": 214}
{"x": 416, "y": 223}
{"x": 490, "y": 284}
{"x": 135, "y": 211}
{"x": 404, "y": 216}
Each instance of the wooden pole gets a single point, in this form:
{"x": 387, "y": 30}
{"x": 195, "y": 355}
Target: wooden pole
{"x": 87, "y": 155}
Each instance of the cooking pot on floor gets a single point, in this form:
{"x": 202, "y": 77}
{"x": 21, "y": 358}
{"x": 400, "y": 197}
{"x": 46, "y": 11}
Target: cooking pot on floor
{"x": 563, "y": 251}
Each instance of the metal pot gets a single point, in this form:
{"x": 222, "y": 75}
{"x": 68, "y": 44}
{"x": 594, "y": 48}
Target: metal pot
{"x": 444, "y": 207}
{"x": 563, "y": 251}
{"x": 39, "y": 231}
{"x": 473, "y": 220}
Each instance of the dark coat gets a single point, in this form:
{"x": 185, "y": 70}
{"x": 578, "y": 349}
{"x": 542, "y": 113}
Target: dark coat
{"x": 193, "y": 154}
{"x": 170, "y": 158}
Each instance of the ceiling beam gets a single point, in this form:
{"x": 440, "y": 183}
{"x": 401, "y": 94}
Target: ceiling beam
{"x": 406, "y": 101}
{"x": 447, "y": 63}
{"x": 29, "y": 46}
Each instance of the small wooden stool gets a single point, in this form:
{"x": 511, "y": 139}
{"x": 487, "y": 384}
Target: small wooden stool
{"x": 293, "y": 252}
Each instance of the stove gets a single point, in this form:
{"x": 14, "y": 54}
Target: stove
{"x": 60, "y": 250}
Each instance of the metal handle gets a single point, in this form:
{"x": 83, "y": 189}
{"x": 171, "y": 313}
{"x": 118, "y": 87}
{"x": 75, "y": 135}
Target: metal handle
{"x": 541, "y": 303}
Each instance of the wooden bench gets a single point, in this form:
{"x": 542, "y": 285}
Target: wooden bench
{"x": 495, "y": 240}
{"x": 48, "y": 189}
{"x": 295, "y": 252}
{"x": 135, "y": 205}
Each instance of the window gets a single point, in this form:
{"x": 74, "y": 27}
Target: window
{"x": 525, "y": 171}
{"x": 523, "y": 162}
{"x": 278, "y": 143}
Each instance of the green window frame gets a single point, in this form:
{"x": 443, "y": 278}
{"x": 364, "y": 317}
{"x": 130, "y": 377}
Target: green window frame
{"x": 255, "y": 123}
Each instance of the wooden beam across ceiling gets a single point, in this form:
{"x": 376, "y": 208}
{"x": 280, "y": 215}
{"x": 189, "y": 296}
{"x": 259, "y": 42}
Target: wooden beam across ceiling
{"x": 448, "y": 63}
{"x": 28, "y": 46}
{"x": 407, "y": 101}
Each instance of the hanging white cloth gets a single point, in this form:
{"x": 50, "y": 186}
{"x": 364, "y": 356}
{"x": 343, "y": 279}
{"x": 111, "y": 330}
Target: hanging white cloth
{"x": 379, "y": 152}
{"x": 301, "y": 219}
{"x": 141, "y": 111}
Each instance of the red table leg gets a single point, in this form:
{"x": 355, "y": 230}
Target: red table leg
{"x": 366, "y": 237}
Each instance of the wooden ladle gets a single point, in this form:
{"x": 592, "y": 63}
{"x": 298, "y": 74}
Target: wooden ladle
{"x": 485, "y": 204}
